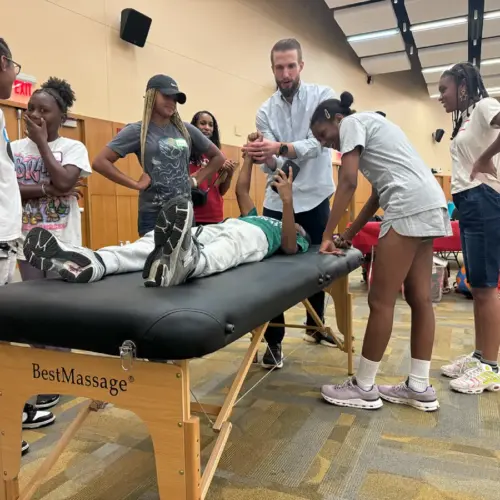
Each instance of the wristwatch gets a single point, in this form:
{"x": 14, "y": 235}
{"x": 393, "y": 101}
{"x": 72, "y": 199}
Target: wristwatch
{"x": 283, "y": 151}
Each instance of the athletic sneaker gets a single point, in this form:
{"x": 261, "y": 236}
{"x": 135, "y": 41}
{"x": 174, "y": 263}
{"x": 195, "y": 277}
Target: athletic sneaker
{"x": 477, "y": 380}
{"x": 176, "y": 252}
{"x": 459, "y": 366}
{"x": 25, "y": 447}
{"x": 350, "y": 394}
{"x": 35, "y": 419}
{"x": 403, "y": 395}
{"x": 73, "y": 263}
{"x": 273, "y": 357}
{"x": 46, "y": 401}
{"x": 326, "y": 339}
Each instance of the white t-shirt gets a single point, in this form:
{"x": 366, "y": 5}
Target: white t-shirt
{"x": 403, "y": 182}
{"x": 475, "y": 136}
{"x": 61, "y": 215}
{"x": 10, "y": 198}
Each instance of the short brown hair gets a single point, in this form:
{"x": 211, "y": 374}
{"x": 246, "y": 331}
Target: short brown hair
{"x": 287, "y": 44}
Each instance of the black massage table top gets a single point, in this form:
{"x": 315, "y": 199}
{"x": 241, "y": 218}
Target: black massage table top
{"x": 182, "y": 322}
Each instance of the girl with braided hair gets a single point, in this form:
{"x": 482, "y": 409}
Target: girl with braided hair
{"x": 475, "y": 149}
{"x": 48, "y": 168}
{"x": 162, "y": 143}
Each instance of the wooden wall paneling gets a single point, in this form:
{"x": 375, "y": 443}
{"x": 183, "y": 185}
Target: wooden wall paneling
{"x": 73, "y": 132}
{"x": 97, "y": 133}
{"x": 104, "y": 221}
{"x": 11, "y": 124}
{"x": 126, "y": 210}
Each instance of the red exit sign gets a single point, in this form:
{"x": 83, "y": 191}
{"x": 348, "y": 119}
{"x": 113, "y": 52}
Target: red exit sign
{"x": 22, "y": 88}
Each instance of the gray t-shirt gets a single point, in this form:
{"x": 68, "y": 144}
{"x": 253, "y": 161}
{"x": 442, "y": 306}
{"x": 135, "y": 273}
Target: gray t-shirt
{"x": 403, "y": 182}
{"x": 166, "y": 160}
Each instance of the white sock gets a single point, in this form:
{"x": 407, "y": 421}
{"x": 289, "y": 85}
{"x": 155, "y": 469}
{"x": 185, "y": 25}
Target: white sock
{"x": 367, "y": 371}
{"x": 419, "y": 375}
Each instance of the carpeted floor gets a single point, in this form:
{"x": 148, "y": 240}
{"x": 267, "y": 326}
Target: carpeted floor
{"x": 287, "y": 444}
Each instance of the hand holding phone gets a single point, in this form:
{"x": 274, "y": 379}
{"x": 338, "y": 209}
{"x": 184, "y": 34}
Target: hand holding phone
{"x": 288, "y": 165}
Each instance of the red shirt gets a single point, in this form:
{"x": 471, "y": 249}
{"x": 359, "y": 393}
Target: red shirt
{"x": 213, "y": 210}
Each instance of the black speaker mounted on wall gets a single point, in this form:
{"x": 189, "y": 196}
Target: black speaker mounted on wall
{"x": 438, "y": 135}
{"x": 134, "y": 27}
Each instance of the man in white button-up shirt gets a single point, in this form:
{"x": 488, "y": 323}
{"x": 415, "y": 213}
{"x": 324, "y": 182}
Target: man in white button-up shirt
{"x": 284, "y": 121}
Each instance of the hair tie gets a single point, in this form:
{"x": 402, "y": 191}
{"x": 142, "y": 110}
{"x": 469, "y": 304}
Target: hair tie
{"x": 327, "y": 114}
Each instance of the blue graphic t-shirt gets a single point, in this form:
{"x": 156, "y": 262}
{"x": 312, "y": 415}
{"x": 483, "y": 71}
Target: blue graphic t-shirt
{"x": 59, "y": 215}
{"x": 272, "y": 228}
{"x": 166, "y": 160}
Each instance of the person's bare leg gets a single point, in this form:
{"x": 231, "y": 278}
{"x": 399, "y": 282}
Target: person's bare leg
{"x": 477, "y": 326}
{"x": 418, "y": 296}
{"x": 487, "y": 321}
{"x": 395, "y": 255}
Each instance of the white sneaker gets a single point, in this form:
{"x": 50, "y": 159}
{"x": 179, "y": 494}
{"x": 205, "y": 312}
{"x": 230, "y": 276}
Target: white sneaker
{"x": 75, "y": 264}
{"x": 459, "y": 366}
{"x": 477, "y": 380}
{"x": 175, "y": 255}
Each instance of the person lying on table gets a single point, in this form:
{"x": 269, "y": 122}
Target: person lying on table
{"x": 175, "y": 251}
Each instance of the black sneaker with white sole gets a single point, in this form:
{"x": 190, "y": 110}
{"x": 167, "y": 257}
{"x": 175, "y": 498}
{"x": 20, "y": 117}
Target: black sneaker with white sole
{"x": 316, "y": 337}
{"x": 25, "y": 447}
{"x": 73, "y": 263}
{"x": 273, "y": 357}
{"x": 35, "y": 419}
{"x": 45, "y": 401}
{"x": 176, "y": 253}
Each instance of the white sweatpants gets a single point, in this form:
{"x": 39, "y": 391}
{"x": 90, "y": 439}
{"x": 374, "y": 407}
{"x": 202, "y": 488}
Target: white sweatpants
{"x": 224, "y": 246}
{"x": 8, "y": 260}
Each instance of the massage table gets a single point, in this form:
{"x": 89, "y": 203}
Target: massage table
{"x": 137, "y": 344}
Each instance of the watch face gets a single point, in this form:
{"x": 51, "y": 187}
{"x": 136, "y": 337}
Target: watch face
{"x": 283, "y": 149}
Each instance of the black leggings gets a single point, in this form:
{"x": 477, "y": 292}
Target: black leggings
{"x": 314, "y": 222}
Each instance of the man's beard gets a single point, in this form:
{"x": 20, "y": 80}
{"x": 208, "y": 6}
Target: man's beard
{"x": 289, "y": 91}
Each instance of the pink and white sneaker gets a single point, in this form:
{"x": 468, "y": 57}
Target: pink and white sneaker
{"x": 459, "y": 366}
{"x": 477, "y": 380}
{"x": 351, "y": 395}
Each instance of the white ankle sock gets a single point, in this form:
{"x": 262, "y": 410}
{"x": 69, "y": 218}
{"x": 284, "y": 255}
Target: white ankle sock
{"x": 367, "y": 371}
{"x": 419, "y": 375}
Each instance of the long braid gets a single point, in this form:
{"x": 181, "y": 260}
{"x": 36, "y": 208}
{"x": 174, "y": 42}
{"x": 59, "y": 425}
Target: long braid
{"x": 149, "y": 102}
{"x": 468, "y": 75}
{"x": 177, "y": 122}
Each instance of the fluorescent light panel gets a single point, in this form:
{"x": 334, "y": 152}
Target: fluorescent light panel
{"x": 444, "y": 23}
{"x": 495, "y": 14}
{"x": 491, "y": 91}
{"x": 440, "y": 69}
{"x": 372, "y": 36}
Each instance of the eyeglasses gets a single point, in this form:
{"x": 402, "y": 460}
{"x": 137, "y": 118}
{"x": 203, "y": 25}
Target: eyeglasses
{"x": 17, "y": 67}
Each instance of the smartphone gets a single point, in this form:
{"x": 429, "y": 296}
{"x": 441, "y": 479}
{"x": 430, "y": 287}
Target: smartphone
{"x": 289, "y": 164}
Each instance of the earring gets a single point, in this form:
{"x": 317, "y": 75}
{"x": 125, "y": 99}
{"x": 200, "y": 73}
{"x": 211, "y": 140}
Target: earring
{"x": 463, "y": 95}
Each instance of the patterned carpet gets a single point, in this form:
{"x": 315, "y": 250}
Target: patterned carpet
{"x": 287, "y": 444}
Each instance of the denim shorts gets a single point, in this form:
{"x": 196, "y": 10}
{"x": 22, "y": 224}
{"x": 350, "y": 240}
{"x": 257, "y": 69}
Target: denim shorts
{"x": 479, "y": 219}
{"x": 146, "y": 222}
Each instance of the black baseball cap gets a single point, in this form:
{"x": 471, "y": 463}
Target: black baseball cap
{"x": 167, "y": 86}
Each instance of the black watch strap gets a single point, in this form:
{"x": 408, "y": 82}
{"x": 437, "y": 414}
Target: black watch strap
{"x": 283, "y": 150}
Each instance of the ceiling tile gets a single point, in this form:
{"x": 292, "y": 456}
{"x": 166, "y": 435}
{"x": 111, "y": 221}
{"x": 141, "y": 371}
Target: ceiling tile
{"x": 421, "y": 11}
{"x": 366, "y": 18}
{"x": 433, "y": 89}
{"x": 490, "y": 5}
{"x": 491, "y": 27}
{"x": 492, "y": 81}
{"x": 377, "y": 46}
{"x": 387, "y": 63}
{"x": 490, "y": 48}
{"x": 443, "y": 54}
{"x": 432, "y": 77}
{"x": 490, "y": 69}
{"x": 441, "y": 36}
{"x": 335, "y": 4}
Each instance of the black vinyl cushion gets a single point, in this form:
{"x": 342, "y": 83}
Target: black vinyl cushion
{"x": 182, "y": 322}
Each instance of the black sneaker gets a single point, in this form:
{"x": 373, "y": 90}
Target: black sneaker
{"x": 25, "y": 447}
{"x": 316, "y": 337}
{"x": 45, "y": 401}
{"x": 273, "y": 358}
{"x": 175, "y": 254}
{"x": 35, "y": 419}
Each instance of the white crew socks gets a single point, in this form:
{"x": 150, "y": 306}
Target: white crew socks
{"x": 419, "y": 375}
{"x": 367, "y": 371}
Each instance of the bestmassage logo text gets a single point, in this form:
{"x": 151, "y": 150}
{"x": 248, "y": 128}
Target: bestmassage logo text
{"x": 71, "y": 376}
